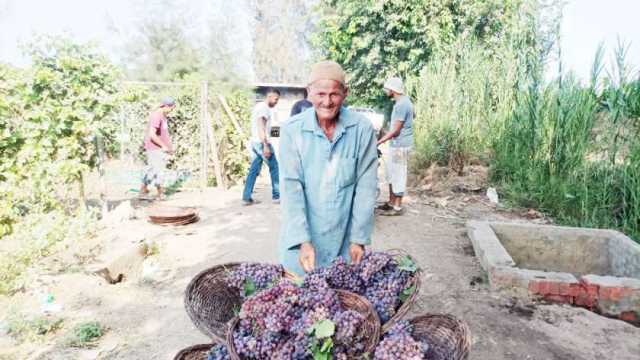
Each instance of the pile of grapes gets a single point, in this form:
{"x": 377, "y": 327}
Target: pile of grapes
{"x": 379, "y": 277}
{"x": 250, "y": 278}
{"x": 280, "y": 319}
{"x": 398, "y": 343}
{"x": 286, "y": 321}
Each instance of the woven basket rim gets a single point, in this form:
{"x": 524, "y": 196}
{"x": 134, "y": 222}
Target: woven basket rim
{"x": 461, "y": 337}
{"x": 205, "y": 328}
{"x": 373, "y": 339}
{"x": 199, "y": 347}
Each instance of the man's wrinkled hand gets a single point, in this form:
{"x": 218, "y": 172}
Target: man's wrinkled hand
{"x": 307, "y": 257}
{"x": 356, "y": 251}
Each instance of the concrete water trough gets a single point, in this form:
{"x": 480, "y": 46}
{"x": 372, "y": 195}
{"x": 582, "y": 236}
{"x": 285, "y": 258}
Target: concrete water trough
{"x": 591, "y": 268}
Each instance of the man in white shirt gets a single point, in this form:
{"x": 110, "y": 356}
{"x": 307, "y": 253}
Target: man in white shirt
{"x": 261, "y": 148}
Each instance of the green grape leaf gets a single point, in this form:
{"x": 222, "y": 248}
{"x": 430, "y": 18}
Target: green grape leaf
{"x": 327, "y": 346}
{"x": 407, "y": 292}
{"x": 322, "y": 329}
{"x": 249, "y": 287}
{"x": 406, "y": 264}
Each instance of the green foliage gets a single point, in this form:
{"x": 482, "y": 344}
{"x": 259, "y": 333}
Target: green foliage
{"x": 36, "y": 236}
{"x": 232, "y": 152}
{"x": 406, "y": 293}
{"x": 322, "y": 344}
{"x": 377, "y": 39}
{"x": 50, "y": 116}
{"x": 573, "y": 151}
{"x": 24, "y": 328}
{"x": 462, "y": 95}
{"x": 249, "y": 287}
{"x": 406, "y": 264}
{"x": 85, "y": 334}
{"x": 138, "y": 100}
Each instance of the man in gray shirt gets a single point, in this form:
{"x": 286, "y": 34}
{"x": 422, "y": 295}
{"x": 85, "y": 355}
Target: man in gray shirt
{"x": 401, "y": 135}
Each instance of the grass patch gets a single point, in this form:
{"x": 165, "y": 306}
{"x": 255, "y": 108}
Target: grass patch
{"x": 36, "y": 237}
{"x": 85, "y": 335}
{"x": 32, "y": 329}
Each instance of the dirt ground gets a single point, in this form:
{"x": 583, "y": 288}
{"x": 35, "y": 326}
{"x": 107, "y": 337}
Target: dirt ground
{"x": 146, "y": 319}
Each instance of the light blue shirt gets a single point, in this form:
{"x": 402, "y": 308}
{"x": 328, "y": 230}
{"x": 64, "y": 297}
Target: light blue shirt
{"x": 328, "y": 188}
{"x": 402, "y": 111}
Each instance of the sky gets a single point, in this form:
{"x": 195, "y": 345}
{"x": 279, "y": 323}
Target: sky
{"x": 585, "y": 24}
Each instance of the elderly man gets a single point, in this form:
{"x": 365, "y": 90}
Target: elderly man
{"x": 328, "y": 165}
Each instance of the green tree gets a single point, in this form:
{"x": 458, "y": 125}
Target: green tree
{"x": 374, "y": 39}
{"x": 51, "y": 114}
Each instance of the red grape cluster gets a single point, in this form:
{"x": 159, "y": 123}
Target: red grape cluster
{"x": 277, "y": 323}
{"x": 398, "y": 343}
{"x": 377, "y": 277}
{"x": 259, "y": 275}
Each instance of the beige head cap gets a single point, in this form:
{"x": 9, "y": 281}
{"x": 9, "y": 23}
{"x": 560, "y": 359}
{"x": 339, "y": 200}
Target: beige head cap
{"x": 326, "y": 70}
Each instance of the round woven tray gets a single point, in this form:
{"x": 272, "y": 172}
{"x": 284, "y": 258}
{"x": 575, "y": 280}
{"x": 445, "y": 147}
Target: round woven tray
{"x": 210, "y": 302}
{"x": 195, "y": 352}
{"x": 170, "y": 212}
{"x": 415, "y": 280}
{"x": 350, "y": 301}
{"x": 448, "y": 337}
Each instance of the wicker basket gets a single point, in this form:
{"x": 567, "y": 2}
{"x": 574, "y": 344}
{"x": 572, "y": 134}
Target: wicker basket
{"x": 195, "y": 352}
{"x": 415, "y": 280}
{"x": 448, "y": 337}
{"x": 210, "y": 302}
{"x": 351, "y": 301}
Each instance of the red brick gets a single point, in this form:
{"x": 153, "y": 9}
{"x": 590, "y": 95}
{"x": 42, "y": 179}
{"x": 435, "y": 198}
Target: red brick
{"x": 565, "y": 289}
{"x": 615, "y": 293}
{"x": 545, "y": 287}
{"x": 592, "y": 290}
{"x": 576, "y": 290}
{"x": 604, "y": 293}
{"x": 630, "y": 316}
{"x": 534, "y": 287}
{"x": 585, "y": 300}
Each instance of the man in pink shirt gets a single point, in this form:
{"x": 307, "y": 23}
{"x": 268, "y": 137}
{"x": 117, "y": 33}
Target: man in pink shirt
{"x": 157, "y": 145}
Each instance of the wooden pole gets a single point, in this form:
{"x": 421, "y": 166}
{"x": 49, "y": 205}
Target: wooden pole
{"x": 235, "y": 122}
{"x": 203, "y": 134}
{"x": 217, "y": 165}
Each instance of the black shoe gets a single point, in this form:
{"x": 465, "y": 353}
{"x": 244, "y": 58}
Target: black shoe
{"x": 250, "y": 202}
{"x": 384, "y": 207}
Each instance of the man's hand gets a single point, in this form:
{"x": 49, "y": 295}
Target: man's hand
{"x": 356, "y": 251}
{"x": 266, "y": 151}
{"x": 307, "y": 257}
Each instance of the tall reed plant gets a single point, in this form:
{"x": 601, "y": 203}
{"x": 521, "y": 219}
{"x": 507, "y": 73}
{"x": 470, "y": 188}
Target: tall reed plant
{"x": 572, "y": 150}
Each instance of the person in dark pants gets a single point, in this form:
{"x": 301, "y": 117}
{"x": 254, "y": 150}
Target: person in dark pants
{"x": 261, "y": 148}
{"x": 301, "y": 105}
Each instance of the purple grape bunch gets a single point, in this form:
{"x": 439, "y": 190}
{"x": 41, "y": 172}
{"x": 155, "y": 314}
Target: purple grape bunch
{"x": 378, "y": 277}
{"x": 218, "y": 352}
{"x": 398, "y": 343}
{"x": 278, "y": 323}
{"x": 254, "y": 277}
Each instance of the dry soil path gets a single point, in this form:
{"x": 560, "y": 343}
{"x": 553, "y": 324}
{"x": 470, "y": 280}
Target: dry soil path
{"x": 146, "y": 319}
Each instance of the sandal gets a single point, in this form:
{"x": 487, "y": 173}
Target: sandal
{"x": 386, "y": 207}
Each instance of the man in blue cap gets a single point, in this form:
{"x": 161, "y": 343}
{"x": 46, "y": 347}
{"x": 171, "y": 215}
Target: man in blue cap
{"x": 157, "y": 145}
